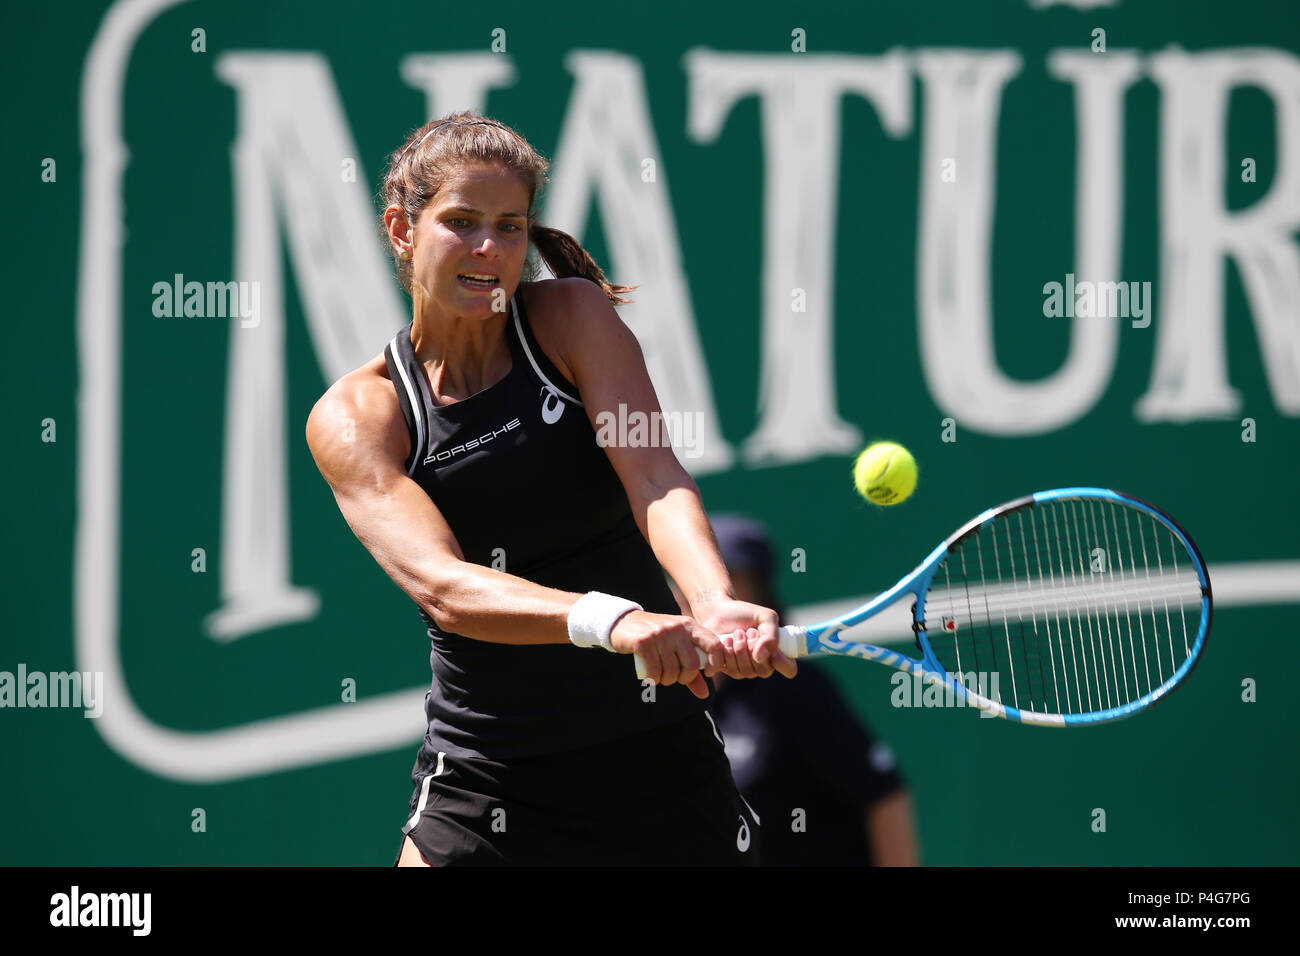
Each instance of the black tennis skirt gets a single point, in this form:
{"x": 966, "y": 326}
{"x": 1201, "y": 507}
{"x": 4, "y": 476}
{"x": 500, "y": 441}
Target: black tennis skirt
{"x": 664, "y": 797}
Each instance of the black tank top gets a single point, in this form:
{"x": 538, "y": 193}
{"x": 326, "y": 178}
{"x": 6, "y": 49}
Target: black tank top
{"x": 516, "y": 471}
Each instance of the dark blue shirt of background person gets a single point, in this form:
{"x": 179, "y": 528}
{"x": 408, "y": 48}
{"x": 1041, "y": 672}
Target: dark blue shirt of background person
{"x": 827, "y": 792}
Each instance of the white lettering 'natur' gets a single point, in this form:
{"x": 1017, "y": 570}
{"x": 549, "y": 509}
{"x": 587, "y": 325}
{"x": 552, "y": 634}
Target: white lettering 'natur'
{"x": 102, "y": 909}
{"x": 56, "y": 689}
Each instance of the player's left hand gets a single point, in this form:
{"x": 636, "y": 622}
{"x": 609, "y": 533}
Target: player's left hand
{"x": 749, "y": 635}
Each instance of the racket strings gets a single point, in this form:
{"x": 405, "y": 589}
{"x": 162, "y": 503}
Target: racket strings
{"x": 1068, "y": 606}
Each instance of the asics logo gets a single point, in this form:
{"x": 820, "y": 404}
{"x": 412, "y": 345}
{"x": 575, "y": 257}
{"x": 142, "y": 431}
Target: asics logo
{"x": 742, "y": 838}
{"x": 552, "y": 407}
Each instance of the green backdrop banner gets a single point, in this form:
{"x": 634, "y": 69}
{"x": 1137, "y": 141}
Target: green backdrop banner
{"x": 1040, "y": 244}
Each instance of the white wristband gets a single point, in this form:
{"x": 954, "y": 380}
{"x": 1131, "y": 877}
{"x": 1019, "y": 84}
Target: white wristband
{"x": 593, "y": 617}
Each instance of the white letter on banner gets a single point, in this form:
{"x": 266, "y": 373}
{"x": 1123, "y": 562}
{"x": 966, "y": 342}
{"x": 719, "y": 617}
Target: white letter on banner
{"x": 1190, "y": 377}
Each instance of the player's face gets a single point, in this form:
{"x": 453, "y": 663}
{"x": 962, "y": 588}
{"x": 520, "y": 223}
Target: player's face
{"x": 476, "y": 225}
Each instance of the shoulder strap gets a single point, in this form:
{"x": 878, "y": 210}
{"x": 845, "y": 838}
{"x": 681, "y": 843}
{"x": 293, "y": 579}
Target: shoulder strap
{"x": 542, "y": 366}
{"x": 404, "y": 373}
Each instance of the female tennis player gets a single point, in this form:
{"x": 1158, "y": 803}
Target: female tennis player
{"x": 465, "y": 459}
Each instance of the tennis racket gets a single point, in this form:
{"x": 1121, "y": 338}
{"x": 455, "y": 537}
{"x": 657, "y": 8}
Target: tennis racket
{"x": 1068, "y": 607}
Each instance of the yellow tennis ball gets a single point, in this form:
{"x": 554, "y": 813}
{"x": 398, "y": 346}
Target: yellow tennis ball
{"x": 885, "y": 473}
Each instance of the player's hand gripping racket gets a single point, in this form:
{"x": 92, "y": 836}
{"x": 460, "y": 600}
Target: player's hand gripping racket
{"x": 1068, "y": 607}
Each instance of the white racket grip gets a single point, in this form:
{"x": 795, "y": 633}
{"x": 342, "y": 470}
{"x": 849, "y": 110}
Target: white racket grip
{"x": 791, "y": 640}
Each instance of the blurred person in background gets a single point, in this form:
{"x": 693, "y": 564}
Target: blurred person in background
{"x": 826, "y": 792}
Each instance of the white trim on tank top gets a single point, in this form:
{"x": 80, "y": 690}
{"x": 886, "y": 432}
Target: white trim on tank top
{"x": 417, "y": 404}
{"x": 523, "y": 340}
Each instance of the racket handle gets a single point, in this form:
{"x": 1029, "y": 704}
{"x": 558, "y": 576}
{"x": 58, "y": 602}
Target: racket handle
{"x": 790, "y": 640}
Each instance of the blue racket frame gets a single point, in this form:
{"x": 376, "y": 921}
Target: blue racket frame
{"x": 823, "y": 638}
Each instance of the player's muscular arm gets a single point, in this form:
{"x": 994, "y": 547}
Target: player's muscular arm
{"x": 404, "y": 531}
{"x": 610, "y": 371}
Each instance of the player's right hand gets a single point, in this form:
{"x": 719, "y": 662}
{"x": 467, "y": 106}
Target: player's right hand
{"x": 667, "y": 644}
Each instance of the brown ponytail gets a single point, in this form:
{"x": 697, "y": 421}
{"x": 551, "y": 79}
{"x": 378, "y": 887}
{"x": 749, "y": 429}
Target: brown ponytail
{"x": 566, "y": 257}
